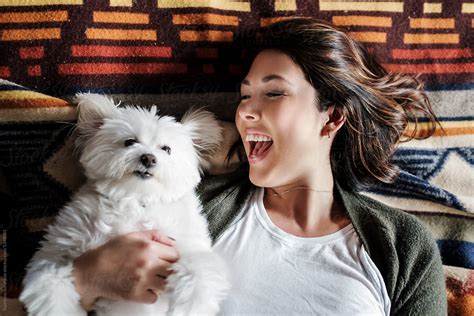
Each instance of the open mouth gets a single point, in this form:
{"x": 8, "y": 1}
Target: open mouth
{"x": 259, "y": 147}
{"x": 142, "y": 174}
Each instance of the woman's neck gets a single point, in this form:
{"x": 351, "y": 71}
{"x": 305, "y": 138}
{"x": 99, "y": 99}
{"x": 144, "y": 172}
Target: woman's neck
{"x": 306, "y": 209}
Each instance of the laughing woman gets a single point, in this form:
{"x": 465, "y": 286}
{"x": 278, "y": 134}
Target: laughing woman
{"x": 319, "y": 120}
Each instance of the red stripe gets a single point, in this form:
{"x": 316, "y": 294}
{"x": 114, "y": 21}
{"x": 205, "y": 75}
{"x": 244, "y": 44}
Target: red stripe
{"x": 120, "y": 68}
{"x": 431, "y": 53}
{"x": 5, "y": 72}
{"x": 36, "y": 52}
{"x": 119, "y": 51}
{"x": 431, "y": 68}
{"x": 34, "y": 70}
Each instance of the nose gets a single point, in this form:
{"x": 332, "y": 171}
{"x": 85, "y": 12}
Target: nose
{"x": 248, "y": 112}
{"x": 148, "y": 160}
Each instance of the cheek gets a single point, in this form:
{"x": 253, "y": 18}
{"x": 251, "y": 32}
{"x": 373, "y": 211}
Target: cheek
{"x": 238, "y": 120}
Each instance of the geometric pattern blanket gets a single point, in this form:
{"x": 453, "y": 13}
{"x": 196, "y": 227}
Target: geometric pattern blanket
{"x": 181, "y": 53}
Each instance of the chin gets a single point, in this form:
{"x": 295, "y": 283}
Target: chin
{"x": 137, "y": 179}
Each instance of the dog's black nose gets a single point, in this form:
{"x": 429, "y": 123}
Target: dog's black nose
{"x": 148, "y": 160}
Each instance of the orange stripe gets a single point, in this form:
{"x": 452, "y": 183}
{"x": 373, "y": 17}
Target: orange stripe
{"x": 120, "y": 68}
{"x": 33, "y": 17}
{"x": 120, "y": 17}
{"x": 264, "y": 22}
{"x": 427, "y": 38}
{"x": 362, "y": 20}
{"x": 431, "y": 53}
{"x": 427, "y": 23}
{"x": 450, "y": 131}
{"x": 431, "y": 68}
{"x": 121, "y": 34}
{"x": 36, "y": 52}
{"x": 31, "y": 103}
{"x": 30, "y": 34}
{"x": 210, "y": 36}
{"x": 119, "y": 51}
{"x": 205, "y": 18}
{"x": 372, "y": 37}
{"x": 206, "y": 52}
{"x": 5, "y": 72}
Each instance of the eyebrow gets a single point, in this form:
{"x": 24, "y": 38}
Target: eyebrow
{"x": 266, "y": 79}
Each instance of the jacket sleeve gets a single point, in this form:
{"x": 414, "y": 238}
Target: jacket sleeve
{"x": 423, "y": 288}
{"x": 223, "y": 197}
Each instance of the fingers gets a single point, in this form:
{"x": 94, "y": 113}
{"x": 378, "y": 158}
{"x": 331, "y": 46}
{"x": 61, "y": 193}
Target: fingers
{"x": 165, "y": 253}
{"x": 164, "y": 239}
{"x": 155, "y": 235}
{"x": 148, "y": 297}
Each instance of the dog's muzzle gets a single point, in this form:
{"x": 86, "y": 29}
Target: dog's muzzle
{"x": 148, "y": 160}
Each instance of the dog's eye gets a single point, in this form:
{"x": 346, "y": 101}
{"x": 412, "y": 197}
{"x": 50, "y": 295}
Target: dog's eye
{"x": 167, "y": 149}
{"x": 130, "y": 142}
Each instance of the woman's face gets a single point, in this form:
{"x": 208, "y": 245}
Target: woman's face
{"x": 279, "y": 103}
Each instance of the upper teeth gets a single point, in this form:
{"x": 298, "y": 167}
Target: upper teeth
{"x": 257, "y": 138}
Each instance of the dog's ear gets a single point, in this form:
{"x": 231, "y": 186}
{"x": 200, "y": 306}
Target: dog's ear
{"x": 205, "y": 132}
{"x": 92, "y": 109}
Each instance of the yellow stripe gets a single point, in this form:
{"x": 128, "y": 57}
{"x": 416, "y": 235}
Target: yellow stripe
{"x": 30, "y": 34}
{"x": 120, "y": 17}
{"x": 58, "y": 113}
{"x": 121, "y": 34}
{"x": 431, "y": 38}
{"x": 121, "y": 3}
{"x": 16, "y": 3}
{"x": 33, "y": 17}
{"x": 467, "y": 8}
{"x": 216, "y": 4}
{"x": 211, "y": 36}
{"x": 285, "y": 5}
{"x": 432, "y": 7}
{"x": 361, "y": 6}
{"x": 22, "y": 95}
{"x": 427, "y": 23}
{"x": 370, "y": 37}
{"x": 362, "y": 20}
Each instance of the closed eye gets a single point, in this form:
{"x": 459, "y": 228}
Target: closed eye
{"x": 244, "y": 97}
{"x": 274, "y": 94}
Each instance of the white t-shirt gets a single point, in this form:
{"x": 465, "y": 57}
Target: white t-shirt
{"x": 276, "y": 273}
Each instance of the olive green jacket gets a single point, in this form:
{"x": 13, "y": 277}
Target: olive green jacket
{"x": 401, "y": 247}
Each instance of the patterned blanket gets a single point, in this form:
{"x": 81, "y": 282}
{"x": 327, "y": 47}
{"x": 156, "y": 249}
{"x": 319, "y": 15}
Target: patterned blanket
{"x": 179, "y": 53}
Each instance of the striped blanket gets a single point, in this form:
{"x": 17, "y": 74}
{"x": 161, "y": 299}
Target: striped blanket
{"x": 180, "y": 53}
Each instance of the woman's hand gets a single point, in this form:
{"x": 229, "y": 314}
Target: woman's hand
{"x": 128, "y": 267}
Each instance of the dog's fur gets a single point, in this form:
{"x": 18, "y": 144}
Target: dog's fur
{"x": 124, "y": 195}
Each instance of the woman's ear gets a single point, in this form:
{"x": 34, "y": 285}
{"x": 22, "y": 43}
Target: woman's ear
{"x": 334, "y": 120}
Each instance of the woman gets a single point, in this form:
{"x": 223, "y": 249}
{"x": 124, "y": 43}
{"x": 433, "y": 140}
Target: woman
{"x": 319, "y": 119}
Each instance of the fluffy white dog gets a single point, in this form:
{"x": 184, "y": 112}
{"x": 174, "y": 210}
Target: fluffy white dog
{"x": 142, "y": 171}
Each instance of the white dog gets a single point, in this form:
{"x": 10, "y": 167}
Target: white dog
{"x": 142, "y": 171}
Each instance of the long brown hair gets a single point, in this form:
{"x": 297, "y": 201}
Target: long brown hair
{"x": 377, "y": 105}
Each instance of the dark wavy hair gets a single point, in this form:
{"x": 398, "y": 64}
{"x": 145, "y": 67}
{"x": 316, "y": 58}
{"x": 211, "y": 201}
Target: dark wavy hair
{"x": 377, "y": 105}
